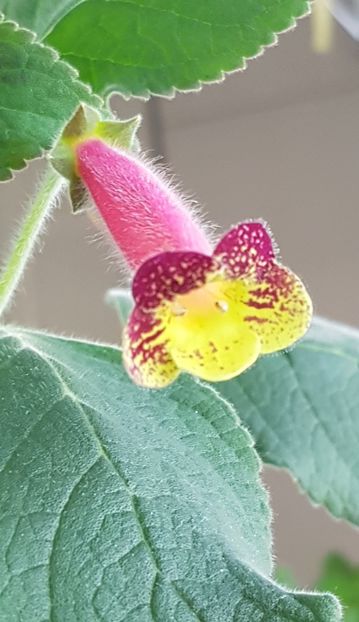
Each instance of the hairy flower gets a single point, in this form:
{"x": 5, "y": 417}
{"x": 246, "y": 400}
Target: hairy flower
{"x": 142, "y": 213}
{"x": 212, "y": 316}
{"x": 208, "y": 314}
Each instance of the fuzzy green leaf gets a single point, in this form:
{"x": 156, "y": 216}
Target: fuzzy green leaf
{"x": 139, "y": 47}
{"x": 302, "y": 408}
{"x": 38, "y": 93}
{"x": 119, "y": 503}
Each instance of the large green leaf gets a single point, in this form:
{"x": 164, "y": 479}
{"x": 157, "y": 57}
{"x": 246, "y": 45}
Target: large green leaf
{"x": 38, "y": 93}
{"x": 153, "y": 46}
{"x": 302, "y": 408}
{"x": 119, "y": 503}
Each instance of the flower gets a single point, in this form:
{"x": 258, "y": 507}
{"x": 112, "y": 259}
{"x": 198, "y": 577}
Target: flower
{"x": 212, "y": 316}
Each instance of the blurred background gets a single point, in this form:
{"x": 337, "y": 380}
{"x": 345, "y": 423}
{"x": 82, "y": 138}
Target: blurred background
{"x": 279, "y": 141}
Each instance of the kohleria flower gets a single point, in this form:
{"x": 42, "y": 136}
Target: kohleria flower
{"x": 212, "y": 316}
{"x": 207, "y": 313}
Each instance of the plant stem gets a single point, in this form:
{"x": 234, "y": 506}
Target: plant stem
{"x": 28, "y": 235}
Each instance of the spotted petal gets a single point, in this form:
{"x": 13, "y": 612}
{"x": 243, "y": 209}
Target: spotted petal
{"x": 192, "y": 315}
{"x": 279, "y": 309}
{"x": 145, "y": 352}
{"x": 210, "y": 340}
{"x": 169, "y": 274}
{"x": 246, "y": 250}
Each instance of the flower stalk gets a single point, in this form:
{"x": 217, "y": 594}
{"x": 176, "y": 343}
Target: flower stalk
{"x": 28, "y": 235}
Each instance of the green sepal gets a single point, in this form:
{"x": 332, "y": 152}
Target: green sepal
{"x": 120, "y": 134}
{"x": 82, "y": 123}
{"x": 86, "y": 123}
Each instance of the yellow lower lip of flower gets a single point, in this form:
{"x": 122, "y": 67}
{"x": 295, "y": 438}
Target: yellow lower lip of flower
{"x": 213, "y": 355}
{"x": 205, "y": 336}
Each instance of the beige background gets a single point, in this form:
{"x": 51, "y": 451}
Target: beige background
{"x": 279, "y": 141}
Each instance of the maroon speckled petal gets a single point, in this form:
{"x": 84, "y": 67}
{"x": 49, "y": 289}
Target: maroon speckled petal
{"x": 246, "y": 250}
{"x": 145, "y": 353}
{"x": 164, "y": 276}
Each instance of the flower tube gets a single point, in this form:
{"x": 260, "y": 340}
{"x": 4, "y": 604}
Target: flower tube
{"x": 142, "y": 213}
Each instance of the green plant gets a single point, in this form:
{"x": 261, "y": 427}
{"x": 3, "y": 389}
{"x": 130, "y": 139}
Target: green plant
{"x": 337, "y": 575}
{"x": 342, "y": 578}
{"x": 118, "y": 502}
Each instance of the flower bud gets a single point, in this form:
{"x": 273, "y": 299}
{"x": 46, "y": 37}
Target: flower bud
{"x": 143, "y": 214}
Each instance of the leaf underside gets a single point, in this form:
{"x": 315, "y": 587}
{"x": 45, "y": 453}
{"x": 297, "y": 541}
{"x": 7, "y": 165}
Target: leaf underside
{"x": 302, "y": 408}
{"x": 119, "y": 503}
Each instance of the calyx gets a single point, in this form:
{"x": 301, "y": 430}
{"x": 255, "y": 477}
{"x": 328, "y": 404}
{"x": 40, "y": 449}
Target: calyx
{"x": 86, "y": 124}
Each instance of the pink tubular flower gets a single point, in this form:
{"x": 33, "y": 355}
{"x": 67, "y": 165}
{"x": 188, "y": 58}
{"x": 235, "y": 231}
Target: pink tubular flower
{"x": 143, "y": 215}
{"x": 207, "y": 312}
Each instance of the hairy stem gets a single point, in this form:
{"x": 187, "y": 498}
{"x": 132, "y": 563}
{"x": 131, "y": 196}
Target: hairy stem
{"x": 28, "y": 235}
